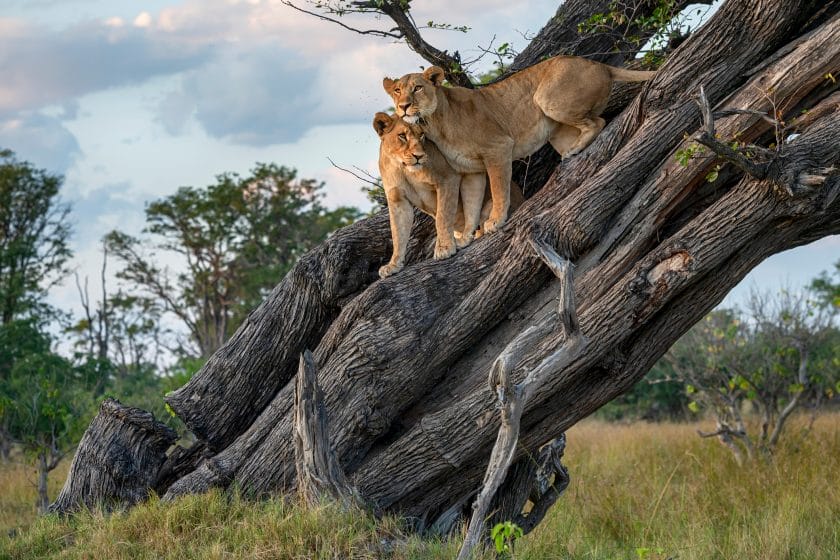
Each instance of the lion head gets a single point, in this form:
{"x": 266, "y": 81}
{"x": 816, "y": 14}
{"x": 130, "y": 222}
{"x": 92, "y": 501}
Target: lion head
{"x": 415, "y": 95}
{"x": 401, "y": 142}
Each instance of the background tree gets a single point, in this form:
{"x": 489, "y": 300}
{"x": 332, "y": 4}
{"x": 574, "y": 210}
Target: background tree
{"x": 827, "y": 287}
{"x": 45, "y": 401}
{"x": 779, "y": 355}
{"x": 34, "y": 233}
{"x": 234, "y": 240}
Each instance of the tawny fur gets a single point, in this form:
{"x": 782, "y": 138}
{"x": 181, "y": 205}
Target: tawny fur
{"x": 416, "y": 175}
{"x": 558, "y": 100}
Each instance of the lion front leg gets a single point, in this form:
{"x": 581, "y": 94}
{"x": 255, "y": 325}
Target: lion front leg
{"x": 447, "y": 208}
{"x": 500, "y": 175}
{"x": 473, "y": 187}
{"x": 402, "y": 217}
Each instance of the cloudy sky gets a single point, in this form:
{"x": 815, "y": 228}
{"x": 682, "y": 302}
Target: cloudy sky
{"x": 132, "y": 99}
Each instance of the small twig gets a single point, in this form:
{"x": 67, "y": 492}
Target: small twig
{"x": 730, "y": 112}
{"x": 723, "y": 431}
{"x": 374, "y": 32}
{"x": 707, "y": 138}
{"x": 370, "y": 181}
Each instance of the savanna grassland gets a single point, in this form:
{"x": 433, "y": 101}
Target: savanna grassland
{"x": 638, "y": 491}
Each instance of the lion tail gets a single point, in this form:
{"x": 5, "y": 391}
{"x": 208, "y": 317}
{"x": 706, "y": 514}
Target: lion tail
{"x": 622, "y": 75}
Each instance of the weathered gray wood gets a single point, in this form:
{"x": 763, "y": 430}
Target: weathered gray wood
{"x": 224, "y": 397}
{"x": 514, "y": 398}
{"x": 117, "y": 460}
{"x": 318, "y": 472}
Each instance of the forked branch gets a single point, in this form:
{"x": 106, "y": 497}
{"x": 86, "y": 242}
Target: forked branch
{"x": 405, "y": 30}
{"x": 708, "y": 139}
{"x": 512, "y": 397}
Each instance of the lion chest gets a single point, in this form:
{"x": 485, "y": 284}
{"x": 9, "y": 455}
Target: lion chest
{"x": 421, "y": 191}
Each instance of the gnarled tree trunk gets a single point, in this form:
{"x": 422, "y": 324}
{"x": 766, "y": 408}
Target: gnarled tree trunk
{"x": 403, "y": 362}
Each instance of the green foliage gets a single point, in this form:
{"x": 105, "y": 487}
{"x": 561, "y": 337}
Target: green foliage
{"x": 658, "y": 396}
{"x": 712, "y": 175}
{"x": 504, "y": 535}
{"x": 782, "y": 352}
{"x": 43, "y": 396}
{"x": 684, "y": 155}
{"x": 45, "y": 400}
{"x": 827, "y": 287}
{"x": 34, "y": 232}
{"x": 629, "y": 29}
{"x": 236, "y": 238}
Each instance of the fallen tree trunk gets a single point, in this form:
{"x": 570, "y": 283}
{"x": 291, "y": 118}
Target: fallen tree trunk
{"x": 402, "y": 362}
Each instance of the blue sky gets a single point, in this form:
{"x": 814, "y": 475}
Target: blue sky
{"x": 132, "y": 99}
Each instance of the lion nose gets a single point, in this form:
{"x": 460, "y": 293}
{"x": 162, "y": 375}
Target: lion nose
{"x": 417, "y": 158}
{"x": 405, "y": 106}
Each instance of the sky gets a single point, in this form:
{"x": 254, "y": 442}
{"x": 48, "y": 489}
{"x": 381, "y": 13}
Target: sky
{"x": 131, "y": 99}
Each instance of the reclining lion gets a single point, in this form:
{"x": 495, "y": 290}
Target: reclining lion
{"x": 558, "y": 100}
{"x": 415, "y": 174}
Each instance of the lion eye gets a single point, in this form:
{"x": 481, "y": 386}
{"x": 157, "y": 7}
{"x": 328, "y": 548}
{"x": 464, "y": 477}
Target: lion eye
{"x": 422, "y": 137}
{"x": 418, "y": 88}
{"x": 402, "y": 137}
{"x": 396, "y": 90}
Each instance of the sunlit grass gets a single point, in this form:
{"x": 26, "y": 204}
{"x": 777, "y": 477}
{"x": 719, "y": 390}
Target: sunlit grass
{"x": 650, "y": 491}
{"x": 662, "y": 488}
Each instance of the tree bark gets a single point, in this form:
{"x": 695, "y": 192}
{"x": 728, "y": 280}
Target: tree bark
{"x": 43, "y": 502}
{"x": 318, "y": 473}
{"x": 403, "y": 362}
{"x": 117, "y": 461}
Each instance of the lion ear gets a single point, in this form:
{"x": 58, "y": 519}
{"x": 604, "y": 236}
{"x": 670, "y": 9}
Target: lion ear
{"x": 381, "y": 122}
{"x": 434, "y": 74}
{"x": 388, "y": 83}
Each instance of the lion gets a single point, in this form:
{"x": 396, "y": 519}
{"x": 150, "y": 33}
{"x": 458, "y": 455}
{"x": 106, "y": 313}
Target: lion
{"x": 415, "y": 174}
{"x": 558, "y": 101}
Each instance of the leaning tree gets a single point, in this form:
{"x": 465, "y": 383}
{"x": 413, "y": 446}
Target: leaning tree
{"x": 729, "y": 155}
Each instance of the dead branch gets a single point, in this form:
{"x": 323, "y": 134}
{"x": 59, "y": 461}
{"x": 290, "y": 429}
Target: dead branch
{"x": 369, "y": 181}
{"x": 512, "y": 399}
{"x": 708, "y": 139}
{"x": 405, "y": 30}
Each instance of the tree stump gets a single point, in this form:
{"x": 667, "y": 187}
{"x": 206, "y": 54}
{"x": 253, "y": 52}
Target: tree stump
{"x": 117, "y": 461}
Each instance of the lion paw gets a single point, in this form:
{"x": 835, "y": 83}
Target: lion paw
{"x": 444, "y": 250}
{"x": 389, "y": 269}
{"x": 462, "y": 240}
{"x": 492, "y": 225}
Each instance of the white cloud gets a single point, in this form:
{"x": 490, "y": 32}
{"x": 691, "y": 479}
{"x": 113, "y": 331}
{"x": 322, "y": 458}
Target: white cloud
{"x": 84, "y": 58}
{"x": 143, "y": 19}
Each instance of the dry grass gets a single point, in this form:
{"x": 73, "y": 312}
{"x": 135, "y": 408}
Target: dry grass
{"x": 651, "y": 491}
{"x": 660, "y": 487}
{"x": 18, "y": 492}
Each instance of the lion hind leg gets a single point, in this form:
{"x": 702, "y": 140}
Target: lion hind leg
{"x": 564, "y": 138}
{"x": 553, "y": 99}
{"x": 589, "y": 129}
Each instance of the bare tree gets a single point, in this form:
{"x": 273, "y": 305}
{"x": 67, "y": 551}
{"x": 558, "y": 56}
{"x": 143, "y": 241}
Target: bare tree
{"x": 403, "y": 362}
